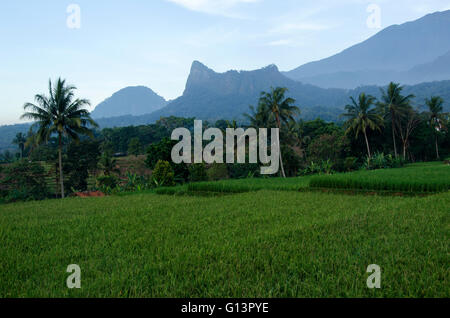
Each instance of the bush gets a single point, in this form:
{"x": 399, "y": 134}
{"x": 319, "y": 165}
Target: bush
{"x": 382, "y": 161}
{"x": 163, "y": 174}
{"x": 245, "y": 170}
{"x": 218, "y": 171}
{"x": 107, "y": 182}
{"x": 325, "y": 167}
{"x": 24, "y": 181}
{"x": 350, "y": 164}
{"x": 80, "y": 159}
{"x": 163, "y": 151}
{"x": 291, "y": 161}
{"x": 197, "y": 172}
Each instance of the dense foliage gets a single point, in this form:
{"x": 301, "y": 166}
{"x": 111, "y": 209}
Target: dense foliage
{"x": 23, "y": 181}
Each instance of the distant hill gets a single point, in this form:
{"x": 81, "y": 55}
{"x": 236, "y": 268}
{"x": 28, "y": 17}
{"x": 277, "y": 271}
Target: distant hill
{"x": 210, "y": 95}
{"x": 399, "y": 52}
{"x": 137, "y": 100}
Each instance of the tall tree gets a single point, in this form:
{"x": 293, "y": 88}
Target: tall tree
{"x": 436, "y": 117}
{"x": 61, "y": 114}
{"x": 392, "y": 106}
{"x": 280, "y": 109}
{"x": 362, "y": 117}
{"x": 134, "y": 147}
{"x": 20, "y": 141}
{"x": 406, "y": 124}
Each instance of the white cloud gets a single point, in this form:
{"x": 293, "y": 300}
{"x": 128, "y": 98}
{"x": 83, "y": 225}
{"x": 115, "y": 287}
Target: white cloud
{"x": 219, "y": 7}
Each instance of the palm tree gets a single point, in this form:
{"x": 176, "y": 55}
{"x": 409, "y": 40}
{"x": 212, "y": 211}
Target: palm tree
{"x": 280, "y": 109}
{"x": 436, "y": 117}
{"x": 259, "y": 118}
{"x": 393, "y": 104}
{"x": 361, "y": 117}
{"x": 20, "y": 141}
{"x": 108, "y": 164}
{"x": 60, "y": 114}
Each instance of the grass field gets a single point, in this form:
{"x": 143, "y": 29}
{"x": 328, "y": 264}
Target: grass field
{"x": 257, "y": 244}
{"x": 420, "y": 178}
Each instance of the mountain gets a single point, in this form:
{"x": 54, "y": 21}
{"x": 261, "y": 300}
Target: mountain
{"x": 137, "y": 100}
{"x": 211, "y": 96}
{"x": 394, "y": 53}
{"x": 439, "y": 69}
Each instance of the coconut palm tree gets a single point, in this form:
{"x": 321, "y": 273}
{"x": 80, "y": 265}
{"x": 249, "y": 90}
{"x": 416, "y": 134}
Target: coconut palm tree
{"x": 436, "y": 117}
{"x": 61, "y": 114}
{"x": 280, "y": 109}
{"x": 392, "y": 106}
{"x": 362, "y": 117}
{"x": 259, "y": 117}
{"x": 20, "y": 141}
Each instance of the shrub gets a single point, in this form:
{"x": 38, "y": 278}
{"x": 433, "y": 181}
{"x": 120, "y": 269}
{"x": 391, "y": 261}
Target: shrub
{"x": 382, "y": 161}
{"x": 134, "y": 147}
{"x": 163, "y": 151}
{"x": 244, "y": 170}
{"x": 107, "y": 182}
{"x": 291, "y": 161}
{"x": 218, "y": 171}
{"x": 80, "y": 159}
{"x": 350, "y": 163}
{"x": 136, "y": 183}
{"x": 163, "y": 174}
{"x": 197, "y": 172}
{"x": 24, "y": 181}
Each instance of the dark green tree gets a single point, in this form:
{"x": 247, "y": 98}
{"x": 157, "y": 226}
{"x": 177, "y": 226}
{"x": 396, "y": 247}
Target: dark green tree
{"x": 20, "y": 141}
{"x": 393, "y": 106}
{"x": 362, "y": 117}
{"x": 437, "y": 118}
{"x": 61, "y": 114}
{"x": 280, "y": 109}
{"x": 134, "y": 147}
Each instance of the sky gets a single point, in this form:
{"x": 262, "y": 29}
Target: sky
{"x": 102, "y": 46}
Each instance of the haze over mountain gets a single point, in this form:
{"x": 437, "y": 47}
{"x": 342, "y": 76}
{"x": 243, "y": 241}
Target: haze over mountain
{"x": 137, "y": 100}
{"x": 400, "y": 53}
{"x": 211, "y": 96}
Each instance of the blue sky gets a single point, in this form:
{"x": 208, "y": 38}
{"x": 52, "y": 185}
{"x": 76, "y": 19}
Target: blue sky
{"x": 153, "y": 43}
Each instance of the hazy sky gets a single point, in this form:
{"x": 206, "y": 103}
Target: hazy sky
{"x": 153, "y": 43}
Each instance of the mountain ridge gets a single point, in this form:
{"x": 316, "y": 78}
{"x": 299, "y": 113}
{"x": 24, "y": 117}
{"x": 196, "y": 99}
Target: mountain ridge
{"x": 395, "y": 49}
{"x": 137, "y": 100}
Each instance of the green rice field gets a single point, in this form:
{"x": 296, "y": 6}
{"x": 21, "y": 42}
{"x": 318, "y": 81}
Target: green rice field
{"x": 263, "y": 243}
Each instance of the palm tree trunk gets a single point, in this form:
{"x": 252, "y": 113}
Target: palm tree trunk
{"x": 279, "y": 146}
{"x": 367, "y": 144}
{"x": 61, "y": 178}
{"x": 437, "y": 148}
{"x": 393, "y": 136}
